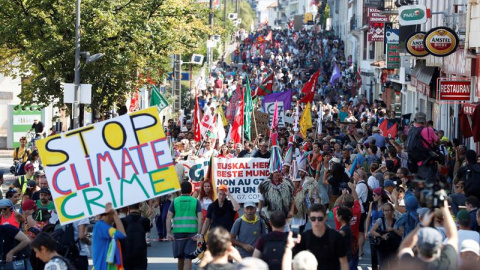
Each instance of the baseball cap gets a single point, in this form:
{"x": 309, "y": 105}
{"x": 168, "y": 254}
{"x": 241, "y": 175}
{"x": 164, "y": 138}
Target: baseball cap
{"x": 31, "y": 184}
{"x": 6, "y": 203}
{"x": 45, "y": 190}
{"x": 470, "y": 245}
{"x": 388, "y": 183}
{"x": 38, "y": 174}
{"x": 463, "y": 216}
{"x": 429, "y": 240}
{"x": 249, "y": 204}
{"x": 29, "y": 205}
{"x": 223, "y": 188}
{"x": 29, "y": 167}
{"x": 378, "y": 191}
{"x": 421, "y": 117}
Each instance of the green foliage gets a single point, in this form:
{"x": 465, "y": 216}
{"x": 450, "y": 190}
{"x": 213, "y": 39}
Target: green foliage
{"x": 136, "y": 36}
{"x": 247, "y": 14}
{"x": 324, "y": 11}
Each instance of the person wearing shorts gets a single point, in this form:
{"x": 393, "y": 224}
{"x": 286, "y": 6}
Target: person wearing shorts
{"x": 186, "y": 214}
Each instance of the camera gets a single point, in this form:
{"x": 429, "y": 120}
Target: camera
{"x": 433, "y": 198}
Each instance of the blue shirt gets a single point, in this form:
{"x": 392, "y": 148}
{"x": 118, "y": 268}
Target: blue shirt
{"x": 102, "y": 235}
{"x": 379, "y": 139}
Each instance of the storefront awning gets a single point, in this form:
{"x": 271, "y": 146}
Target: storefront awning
{"x": 425, "y": 74}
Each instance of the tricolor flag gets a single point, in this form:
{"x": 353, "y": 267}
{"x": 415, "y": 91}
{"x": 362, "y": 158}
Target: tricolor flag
{"x": 266, "y": 87}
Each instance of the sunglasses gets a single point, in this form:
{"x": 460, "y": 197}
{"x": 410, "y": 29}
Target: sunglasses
{"x": 319, "y": 219}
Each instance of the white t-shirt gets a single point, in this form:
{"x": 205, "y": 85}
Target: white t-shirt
{"x": 373, "y": 182}
{"x": 362, "y": 191}
{"x": 83, "y": 247}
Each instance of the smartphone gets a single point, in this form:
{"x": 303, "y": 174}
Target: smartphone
{"x": 295, "y": 229}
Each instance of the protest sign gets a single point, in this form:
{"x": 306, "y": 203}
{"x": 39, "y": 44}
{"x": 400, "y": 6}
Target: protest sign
{"x": 195, "y": 170}
{"x": 284, "y": 100}
{"x": 241, "y": 175}
{"x": 261, "y": 121}
{"x": 124, "y": 160}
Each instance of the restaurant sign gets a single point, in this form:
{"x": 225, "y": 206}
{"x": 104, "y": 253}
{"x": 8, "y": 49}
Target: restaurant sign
{"x": 454, "y": 90}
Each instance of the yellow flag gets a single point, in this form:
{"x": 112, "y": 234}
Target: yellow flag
{"x": 306, "y": 120}
{"x": 224, "y": 119}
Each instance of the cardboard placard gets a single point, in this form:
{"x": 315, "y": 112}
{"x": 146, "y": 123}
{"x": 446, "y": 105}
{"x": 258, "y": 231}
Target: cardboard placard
{"x": 262, "y": 124}
{"x": 124, "y": 160}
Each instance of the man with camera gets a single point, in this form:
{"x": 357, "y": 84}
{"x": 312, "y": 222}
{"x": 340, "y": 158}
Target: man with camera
{"x": 431, "y": 253}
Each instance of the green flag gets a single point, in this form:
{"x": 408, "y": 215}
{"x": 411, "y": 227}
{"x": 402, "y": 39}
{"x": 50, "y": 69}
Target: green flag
{"x": 247, "y": 123}
{"x": 157, "y": 99}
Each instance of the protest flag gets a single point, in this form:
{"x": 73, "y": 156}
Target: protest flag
{"x": 311, "y": 84}
{"x": 220, "y": 130}
{"x": 389, "y": 127}
{"x": 335, "y": 75}
{"x": 275, "y": 117}
{"x": 157, "y": 99}
{"x": 275, "y": 156}
{"x": 266, "y": 87}
{"x": 306, "y": 120}
{"x": 207, "y": 126}
{"x": 236, "y": 133}
{"x": 269, "y": 36}
{"x": 248, "y": 107}
{"x": 196, "y": 121}
{"x": 222, "y": 115}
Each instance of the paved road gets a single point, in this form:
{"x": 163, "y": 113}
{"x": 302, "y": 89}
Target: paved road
{"x": 160, "y": 253}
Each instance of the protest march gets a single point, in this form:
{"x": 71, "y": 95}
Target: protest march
{"x": 278, "y": 142}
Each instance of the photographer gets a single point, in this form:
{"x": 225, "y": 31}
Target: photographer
{"x": 430, "y": 251}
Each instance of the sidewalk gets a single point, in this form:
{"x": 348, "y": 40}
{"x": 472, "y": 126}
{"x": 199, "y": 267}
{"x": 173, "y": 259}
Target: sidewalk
{"x": 6, "y": 153}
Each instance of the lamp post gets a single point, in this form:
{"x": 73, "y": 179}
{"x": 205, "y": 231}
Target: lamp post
{"x": 89, "y": 59}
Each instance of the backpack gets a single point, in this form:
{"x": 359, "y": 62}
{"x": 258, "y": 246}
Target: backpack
{"x": 415, "y": 148}
{"x": 69, "y": 264}
{"x": 273, "y": 251}
{"x": 66, "y": 244}
{"x": 472, "y": 180}
{"x": 135, "y": 243}
{"x": 366, "y": 204}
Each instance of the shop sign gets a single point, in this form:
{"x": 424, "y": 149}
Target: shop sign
{"x": 375, "y": 16}
{"x": 412, "y": 14}
{"x": 441, "y": 41}
{"x": 376, "y": 31}
{"x": 423, "y": 88}
{"x": 415, "y": 45}
{"x": 454, "y": 90}
{"x": 393, "y": 58}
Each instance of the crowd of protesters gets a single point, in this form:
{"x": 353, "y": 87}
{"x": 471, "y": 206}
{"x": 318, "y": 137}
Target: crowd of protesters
{"x": 417, "y": 211}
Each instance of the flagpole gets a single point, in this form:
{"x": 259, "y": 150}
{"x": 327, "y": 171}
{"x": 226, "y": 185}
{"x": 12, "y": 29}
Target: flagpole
{"x": 255, "y": 122}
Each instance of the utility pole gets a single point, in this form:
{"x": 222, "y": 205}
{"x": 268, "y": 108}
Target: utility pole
{"x": 224, "y": 14}
{"x": 76, "y": 81}
{"x": 177, "y": 77}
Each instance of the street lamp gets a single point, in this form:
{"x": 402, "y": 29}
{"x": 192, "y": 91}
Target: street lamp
{"x": 89, "y": 59}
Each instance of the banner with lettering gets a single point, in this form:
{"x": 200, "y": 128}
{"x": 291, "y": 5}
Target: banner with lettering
{"x": 241, "y": 175}
{"x": 124, "y": 160}
{"x": 284, "y": 100}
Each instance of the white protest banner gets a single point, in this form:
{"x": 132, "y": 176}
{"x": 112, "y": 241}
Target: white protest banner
{"x": 241, "y": 175}
{"x": 124, "y": 160}
{"x": 196, "y": 170}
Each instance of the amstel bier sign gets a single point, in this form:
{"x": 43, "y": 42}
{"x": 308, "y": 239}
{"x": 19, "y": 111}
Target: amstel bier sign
{"x": 415, "y": 45}
{"x": 441, "y": 41}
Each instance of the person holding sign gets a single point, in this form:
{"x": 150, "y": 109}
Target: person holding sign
{"x": 104, "y": 240}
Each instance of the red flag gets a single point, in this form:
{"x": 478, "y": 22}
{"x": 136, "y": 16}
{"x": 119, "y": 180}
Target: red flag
{"x": 196, "y": 121}
{"x": 265, "y": 88}
{"x": 312, "y": 82}
{"x": 392, "y": 131}
{"x": 269, "y": 36}
{"x": 388, "y": 128}
{"x": 308, "y": 98}
{"x": 236, "y": 134}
